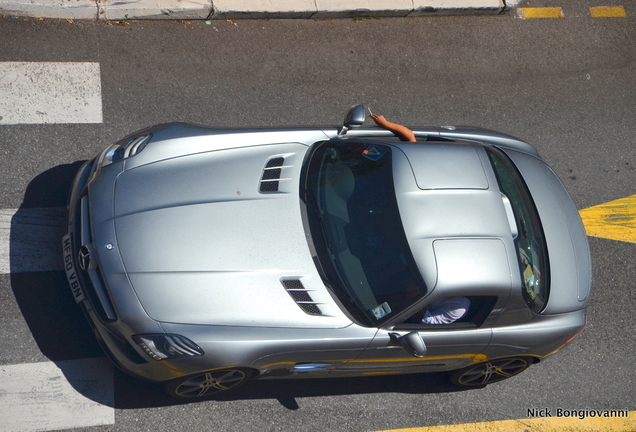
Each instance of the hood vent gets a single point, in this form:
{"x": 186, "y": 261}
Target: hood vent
{"x": 271, "y": 174}
{"x": 301, "y": 296}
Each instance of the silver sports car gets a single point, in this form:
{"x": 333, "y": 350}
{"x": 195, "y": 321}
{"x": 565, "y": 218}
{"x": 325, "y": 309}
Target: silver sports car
{"x": 206, "y": 257}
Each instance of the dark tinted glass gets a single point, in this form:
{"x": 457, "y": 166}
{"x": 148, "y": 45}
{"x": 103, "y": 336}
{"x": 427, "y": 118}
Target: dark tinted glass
{"x": 357, "y": 231}
{"x": 530, "y": 243}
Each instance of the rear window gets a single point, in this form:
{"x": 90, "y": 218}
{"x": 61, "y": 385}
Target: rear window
{"x": 530, "y": 242}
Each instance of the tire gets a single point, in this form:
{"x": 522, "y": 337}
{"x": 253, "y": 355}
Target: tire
{"x": 490, "y": 372}
{"x": 206, "y": 384}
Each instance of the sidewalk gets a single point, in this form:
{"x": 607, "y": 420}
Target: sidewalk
{"x": 237, "y": 9}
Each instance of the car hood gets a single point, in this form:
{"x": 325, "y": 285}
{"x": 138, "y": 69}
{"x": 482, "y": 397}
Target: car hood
{"x": 202, "y": 245}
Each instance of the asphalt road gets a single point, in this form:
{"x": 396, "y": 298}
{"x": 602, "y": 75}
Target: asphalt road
{"x": 567, "y": 86}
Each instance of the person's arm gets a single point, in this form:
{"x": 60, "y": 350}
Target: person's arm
{"x": 403, "y": 132}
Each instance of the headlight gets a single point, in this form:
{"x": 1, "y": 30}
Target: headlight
{"x": 167, "y": 346}
{"x": 122, "y": 150}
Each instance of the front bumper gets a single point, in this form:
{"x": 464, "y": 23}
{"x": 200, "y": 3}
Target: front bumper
{"x": 88, "y": 281}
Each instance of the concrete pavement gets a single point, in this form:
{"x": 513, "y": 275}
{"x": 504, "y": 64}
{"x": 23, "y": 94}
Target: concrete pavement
{"x": 108, "y": 10}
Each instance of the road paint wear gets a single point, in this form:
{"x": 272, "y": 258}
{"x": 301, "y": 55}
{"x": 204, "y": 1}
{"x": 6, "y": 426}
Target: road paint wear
{"x": 608, "y": 12}
{"x": 614, "y": 220}
{"x": 546, "y": 424}
{"x": 542, "y": 12}
{"x": 30, "y": 239}
{"x": 557, "y": 12}
{"x": 62, "y": 395}
{"x": 50, "y": 92}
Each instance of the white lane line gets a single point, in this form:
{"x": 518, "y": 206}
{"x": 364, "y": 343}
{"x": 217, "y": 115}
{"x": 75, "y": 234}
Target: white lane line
{"x": 50, "y": 92}
{"x": 31, "y": 239}
{"x": 52, "y": 396}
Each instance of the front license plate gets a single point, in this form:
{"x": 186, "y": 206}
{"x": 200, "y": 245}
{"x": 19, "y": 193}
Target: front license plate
{"x": 69, "y": 267}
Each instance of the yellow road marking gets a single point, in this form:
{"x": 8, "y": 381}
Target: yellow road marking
{"x": 607, "y": 12}
{"x": 542, "y": 12}
{"x": 476, "y": 359}
{"x": 545, "y": 424}
{"x": 614, "y": 220}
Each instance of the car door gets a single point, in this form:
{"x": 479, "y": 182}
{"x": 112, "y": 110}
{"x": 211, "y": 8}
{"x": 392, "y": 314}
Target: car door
{"x": 313, "y": 352}
{"x": 447, "y": 346}
{"x": 446, "y": 349}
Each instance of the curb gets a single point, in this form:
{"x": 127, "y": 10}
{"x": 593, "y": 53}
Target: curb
{"x": 114, "y": 10}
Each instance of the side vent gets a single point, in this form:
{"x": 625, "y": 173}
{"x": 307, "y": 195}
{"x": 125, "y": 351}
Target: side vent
{"x": 301, "y": 296}
{"x": 271, "y": 174}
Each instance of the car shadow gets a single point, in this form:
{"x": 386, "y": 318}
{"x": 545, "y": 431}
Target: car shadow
{"x": 39, "y": 286}
{"x": 131, "y": 393}
{"x": 63, "y": 334}
{"x": 37, "y": 279}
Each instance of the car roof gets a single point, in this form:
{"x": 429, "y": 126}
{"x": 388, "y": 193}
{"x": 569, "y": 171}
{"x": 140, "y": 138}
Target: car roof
{"x": 454, "y": 218}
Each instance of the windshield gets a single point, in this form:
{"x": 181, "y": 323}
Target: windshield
{"x": 530, "y": 242}
{"x": 357, "y": 232}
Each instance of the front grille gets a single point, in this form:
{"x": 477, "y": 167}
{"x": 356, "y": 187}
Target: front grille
{"x": 301, "y": 296}
{"x": 272, "y": 174}
{"x": 92, "y": 281}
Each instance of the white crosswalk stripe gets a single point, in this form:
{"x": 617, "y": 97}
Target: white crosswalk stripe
{"x": 64, "y": 394}
{"x": 50, "y": 92}
{"x": 48, "y": 395}
{"x": 53, "y": 396}
{"x": 30, "y": 239}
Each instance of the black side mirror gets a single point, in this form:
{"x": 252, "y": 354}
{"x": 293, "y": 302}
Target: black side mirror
{"x": 354, "y": 118}
{"x": 412, "y": 342}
